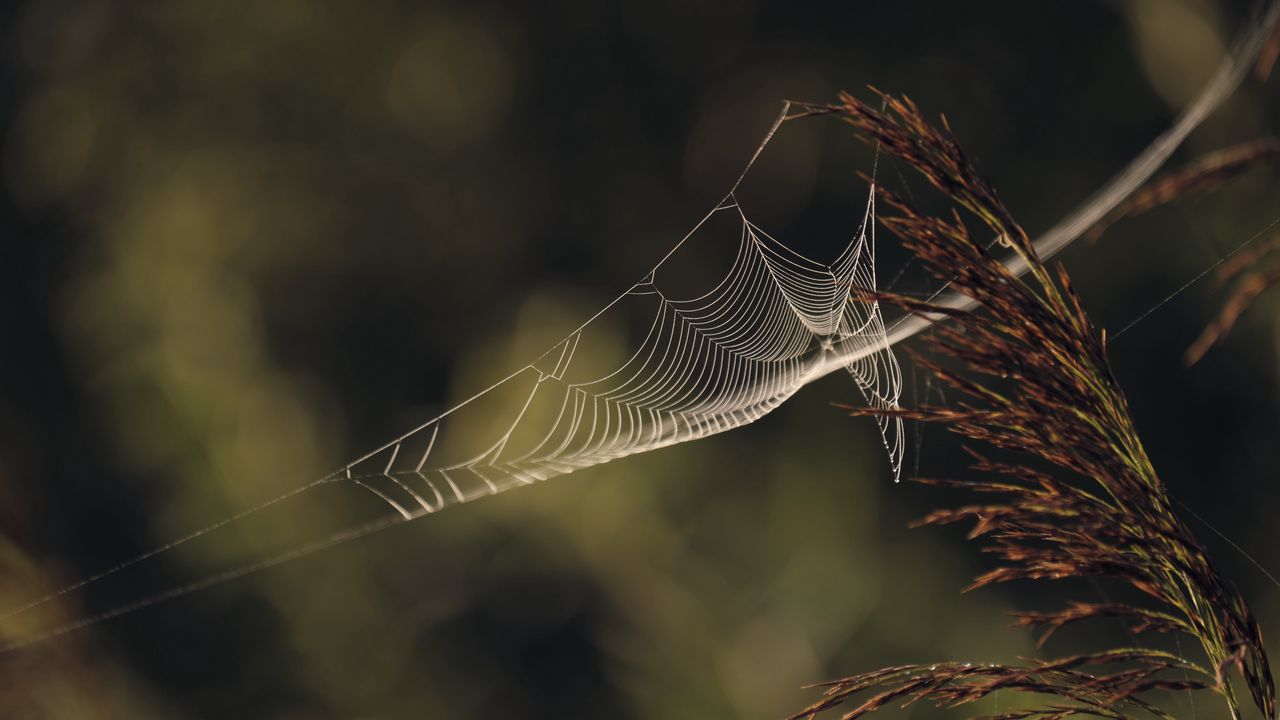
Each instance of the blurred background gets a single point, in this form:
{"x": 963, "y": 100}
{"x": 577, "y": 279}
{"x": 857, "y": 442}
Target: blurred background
{"x": 245, "y": 242}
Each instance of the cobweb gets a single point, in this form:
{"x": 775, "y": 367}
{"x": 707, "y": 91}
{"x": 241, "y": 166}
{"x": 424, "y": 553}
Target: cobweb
{"x": 707, "y": 364}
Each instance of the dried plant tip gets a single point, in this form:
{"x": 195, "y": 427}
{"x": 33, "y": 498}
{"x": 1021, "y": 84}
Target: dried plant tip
{"x": 1267, "y": 58}
{"x": 1201, "y": 175}
{"x": 1246, "y": 292}
{"x": 1143, "y": 619}
{"x": 1246, "y": 258}
{"x": 1108, "y": 685}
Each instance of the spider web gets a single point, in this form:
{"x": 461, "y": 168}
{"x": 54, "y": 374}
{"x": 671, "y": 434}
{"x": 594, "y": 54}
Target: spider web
{"x": 706, "y": 364}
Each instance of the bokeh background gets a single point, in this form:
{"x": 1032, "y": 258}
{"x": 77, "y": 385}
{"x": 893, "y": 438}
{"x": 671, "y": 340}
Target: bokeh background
{"x": 244, "y": 242}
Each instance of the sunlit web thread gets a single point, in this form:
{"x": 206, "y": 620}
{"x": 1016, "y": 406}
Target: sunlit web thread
{"x": 1195, "y": 279}
{"x": 836, "y": 352}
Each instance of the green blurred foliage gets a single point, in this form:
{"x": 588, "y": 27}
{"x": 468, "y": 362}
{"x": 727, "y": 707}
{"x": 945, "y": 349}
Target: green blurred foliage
{"x": 246, "y": 241}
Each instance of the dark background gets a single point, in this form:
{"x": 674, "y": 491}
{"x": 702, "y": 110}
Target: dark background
{"x": 243, "y": 242}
